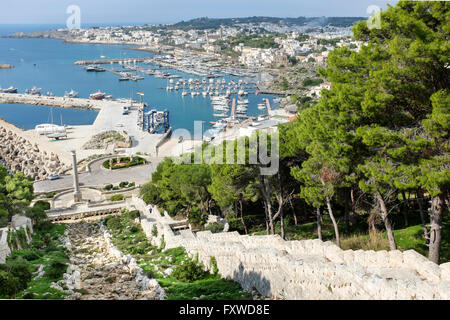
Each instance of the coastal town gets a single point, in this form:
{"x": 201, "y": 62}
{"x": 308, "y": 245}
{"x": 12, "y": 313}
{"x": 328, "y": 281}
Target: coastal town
{"x": 274, "y": 57}
{"x": 272, "y": 51}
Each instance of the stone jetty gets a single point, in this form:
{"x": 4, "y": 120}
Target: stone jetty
{"x": 62, "y": 102}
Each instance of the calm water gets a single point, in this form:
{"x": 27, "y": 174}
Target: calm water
{"x": 17, "y": 114}
{"x": 48, "y": 64}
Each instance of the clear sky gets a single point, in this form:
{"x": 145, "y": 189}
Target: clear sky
{"x": 170, "y": 11}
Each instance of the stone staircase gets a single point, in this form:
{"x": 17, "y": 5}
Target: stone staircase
{"x": 308, "y": 269}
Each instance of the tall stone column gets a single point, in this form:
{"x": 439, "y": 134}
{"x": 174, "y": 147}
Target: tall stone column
{"x": 76, "y": 185}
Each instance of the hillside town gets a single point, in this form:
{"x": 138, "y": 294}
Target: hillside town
{"x": 275, "y": 51}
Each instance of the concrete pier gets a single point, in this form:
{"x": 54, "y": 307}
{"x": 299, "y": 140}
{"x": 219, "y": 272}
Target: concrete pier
{"x": 62, "y": 102}
{"x": 111, "y": 61}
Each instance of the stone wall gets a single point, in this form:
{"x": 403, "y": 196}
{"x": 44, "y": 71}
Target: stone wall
{"x": 22, "y": 155}
{"x": 309, "y": 269}
{"x": 17, "y": 222}
{"x": 4, "y": 248}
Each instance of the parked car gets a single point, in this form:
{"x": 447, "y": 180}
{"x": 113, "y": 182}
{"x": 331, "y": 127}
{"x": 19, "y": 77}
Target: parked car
{"x": 54, "y": 177}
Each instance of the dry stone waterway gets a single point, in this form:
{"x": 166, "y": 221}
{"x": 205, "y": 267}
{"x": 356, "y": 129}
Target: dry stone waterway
{"x": 97, "y": 273}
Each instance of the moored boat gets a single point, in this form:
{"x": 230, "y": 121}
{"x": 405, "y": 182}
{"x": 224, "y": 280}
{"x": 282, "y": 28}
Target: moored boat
{"x": 9, "y": 90}
{"x": 97, "y": 95}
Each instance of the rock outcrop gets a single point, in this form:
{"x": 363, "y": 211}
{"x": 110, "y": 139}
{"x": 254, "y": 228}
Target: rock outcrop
{"x": 21, "y": 155}
{"x": 120, "y": 139}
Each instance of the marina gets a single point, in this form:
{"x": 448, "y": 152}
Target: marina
{"x": 179, "y": 86}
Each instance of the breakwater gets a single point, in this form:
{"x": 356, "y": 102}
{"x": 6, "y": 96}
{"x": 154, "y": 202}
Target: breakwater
{"x": 111, "y": 61}
{"x": 55, "y": 101}
{"x": 309, "y": 269}
{"x": 26, "y": 152}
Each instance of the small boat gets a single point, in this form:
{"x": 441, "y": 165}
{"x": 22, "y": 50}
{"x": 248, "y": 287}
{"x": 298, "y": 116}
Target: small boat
{"x": 9, "y": 90}
{"x": 94, "y": 68}
{"x": 124, "y": 79}
{"x": 34, "y": 91}
{"x": 220, "y": 115}
{"x": 97, "y": 95}
{"x": 71, "y": 94}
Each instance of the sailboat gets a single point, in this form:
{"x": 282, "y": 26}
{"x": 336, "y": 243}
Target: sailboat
{"x": 51, "y": 130}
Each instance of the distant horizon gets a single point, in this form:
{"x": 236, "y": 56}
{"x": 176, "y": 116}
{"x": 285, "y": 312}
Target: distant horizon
{"x": 162, "y": 12}
{"x": 158, "y": 23}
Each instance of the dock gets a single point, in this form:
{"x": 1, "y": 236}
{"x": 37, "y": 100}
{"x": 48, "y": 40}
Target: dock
{"x": 233, "y": 109}
{"x": 62, "y": 102}
{"x": 269, "y": 107}
{"x": 111, "y": 61}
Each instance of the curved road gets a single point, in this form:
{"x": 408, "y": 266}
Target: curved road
{"x": 100, "y": 176}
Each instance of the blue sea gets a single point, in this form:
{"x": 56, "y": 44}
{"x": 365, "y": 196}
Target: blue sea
{"x": 49, "y": 64}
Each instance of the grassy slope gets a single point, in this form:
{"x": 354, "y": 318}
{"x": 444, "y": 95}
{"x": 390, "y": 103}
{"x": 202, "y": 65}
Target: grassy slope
{"x": 129, "y": 238}
{"x": 40, "y": 288}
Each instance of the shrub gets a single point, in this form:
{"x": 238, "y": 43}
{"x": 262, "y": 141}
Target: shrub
{"x": 37, "y": 214}
{"x": 124, "y": 163}
{"x": 108, "y": 187}
{"x": 32, "y": 254}
{"x": 50, "y": 195}
{"x": 9, "y": 285}
{"x": 44, "y": 205}
{"x": 56, "y": 268}
{"x": 150, "y": 193}
{"x": 215, "y": 227}
{"x": 4, "y": 218}
{"x": 189, "y": 272}
{"x": 155, "y": 231}
{"x": 213, "y": 263}
{"x": 131, "y": 185}
{"x": 117, "y": 197}
{"x": 197, "y": 217}
{"x": 19, "y": 268}
{"x": 123, "y": 184}
{"x": 113, "y": 223}
{"x": 163, "y": 243}
{"x": 134, "y": 214}
{"x": 43, "y": 226}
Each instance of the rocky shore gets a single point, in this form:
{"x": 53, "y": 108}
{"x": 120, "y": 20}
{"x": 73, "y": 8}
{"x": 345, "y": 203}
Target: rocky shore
{"x": 98, "y": 271}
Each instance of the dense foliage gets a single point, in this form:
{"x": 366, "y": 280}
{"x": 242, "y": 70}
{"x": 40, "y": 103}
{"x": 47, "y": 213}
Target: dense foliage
{"x": 16, "y": 193}
{"x": 373, "y": 152}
